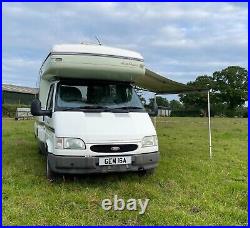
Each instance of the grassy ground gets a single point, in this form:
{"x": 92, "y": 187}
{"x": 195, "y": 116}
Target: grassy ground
{"x": 187, "y": 187}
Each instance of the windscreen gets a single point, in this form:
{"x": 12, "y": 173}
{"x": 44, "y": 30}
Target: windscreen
{"x": 97, "y": 95}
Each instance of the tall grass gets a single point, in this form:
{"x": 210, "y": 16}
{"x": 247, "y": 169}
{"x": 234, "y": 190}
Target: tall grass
{"x": 187, "y": 188}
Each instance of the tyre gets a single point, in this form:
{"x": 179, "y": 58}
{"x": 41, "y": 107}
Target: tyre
{"x": 147, "y": 172}
{"x": 51, "y": 176}
{"x": 39, "y": 150}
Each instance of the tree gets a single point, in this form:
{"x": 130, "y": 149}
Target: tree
{"x": 175, "y": 105}
{"x": 140, "y": 95}
{"x": 160, "y": 101}
{"x": 143, "y": 100}
{"x": 231, "y": 86}
{"x": 198, "y": 100}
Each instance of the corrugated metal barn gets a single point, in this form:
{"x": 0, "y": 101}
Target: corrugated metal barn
{"x": 12, "y": 94}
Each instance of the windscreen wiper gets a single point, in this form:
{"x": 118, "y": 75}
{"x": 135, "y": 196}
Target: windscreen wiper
{"x": 85, "y": 107}
{"x": 129, "y": 107}
{"x": 95, "y": 108}
{"x": 70, "y": 108}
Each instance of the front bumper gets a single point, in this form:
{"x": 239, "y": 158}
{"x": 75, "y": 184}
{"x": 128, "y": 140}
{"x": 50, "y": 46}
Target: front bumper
{"x": 81, "y": 165}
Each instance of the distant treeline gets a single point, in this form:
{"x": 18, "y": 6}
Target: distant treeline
{"x": 228, "y": 95}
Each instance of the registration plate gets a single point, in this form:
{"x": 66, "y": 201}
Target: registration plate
{"x": 114, "y": 160}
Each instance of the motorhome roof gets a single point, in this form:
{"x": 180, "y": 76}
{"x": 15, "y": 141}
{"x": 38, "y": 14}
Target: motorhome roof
{"x": 95, "y": 49}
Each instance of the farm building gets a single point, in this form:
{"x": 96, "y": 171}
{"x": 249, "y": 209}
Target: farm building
{"x": 163, "y": 111}
{"x": 12, "y": 94}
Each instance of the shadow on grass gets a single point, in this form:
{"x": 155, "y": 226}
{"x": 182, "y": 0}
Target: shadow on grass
{"x": 100, "y": 178}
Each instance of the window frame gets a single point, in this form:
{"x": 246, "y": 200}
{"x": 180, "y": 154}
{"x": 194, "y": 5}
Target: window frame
{"x": 50, "y": 97}
{"x": 87, "y": 82}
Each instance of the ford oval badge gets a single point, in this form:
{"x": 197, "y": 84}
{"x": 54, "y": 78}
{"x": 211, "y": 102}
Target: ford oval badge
{"x": 115, "y": 148}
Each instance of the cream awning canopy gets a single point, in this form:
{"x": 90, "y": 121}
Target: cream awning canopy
{"x": 161, "y": 85}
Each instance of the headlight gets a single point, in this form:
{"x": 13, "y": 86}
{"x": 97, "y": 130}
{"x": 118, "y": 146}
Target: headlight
{"x": 70, "y": 143}
{"x": 149, "y": 141}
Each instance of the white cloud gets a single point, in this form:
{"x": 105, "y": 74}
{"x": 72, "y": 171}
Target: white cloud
{"x": 20, "y": 71}
{"x": 181, "y": 39}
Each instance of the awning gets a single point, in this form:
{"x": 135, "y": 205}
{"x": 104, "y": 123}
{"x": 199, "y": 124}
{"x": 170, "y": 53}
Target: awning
{"x": 161, "y": 85}
{"x": 158, "y": 84}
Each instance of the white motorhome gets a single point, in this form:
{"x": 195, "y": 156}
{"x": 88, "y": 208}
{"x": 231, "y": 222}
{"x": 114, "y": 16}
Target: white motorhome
{"x": 90, "y": 119}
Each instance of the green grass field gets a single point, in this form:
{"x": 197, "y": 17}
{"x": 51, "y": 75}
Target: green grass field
{"x": 187, "y": 187}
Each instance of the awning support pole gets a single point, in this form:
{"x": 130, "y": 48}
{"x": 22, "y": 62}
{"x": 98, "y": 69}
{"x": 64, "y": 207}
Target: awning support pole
{"x": 209, "y": 125}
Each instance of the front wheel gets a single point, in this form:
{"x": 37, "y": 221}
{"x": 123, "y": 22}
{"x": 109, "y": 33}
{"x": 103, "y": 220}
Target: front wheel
{"x": 147, "y": 172}
{"x": 51, "y": 176}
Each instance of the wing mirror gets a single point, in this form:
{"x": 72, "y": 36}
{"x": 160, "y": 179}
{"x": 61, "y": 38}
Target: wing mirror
{"x": 36, "y": 109}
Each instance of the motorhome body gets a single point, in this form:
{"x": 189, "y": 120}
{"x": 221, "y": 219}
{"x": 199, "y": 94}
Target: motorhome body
{"x": 90, "y": 119}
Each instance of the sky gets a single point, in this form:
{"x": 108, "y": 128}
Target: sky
{"x": 178, "y": 40}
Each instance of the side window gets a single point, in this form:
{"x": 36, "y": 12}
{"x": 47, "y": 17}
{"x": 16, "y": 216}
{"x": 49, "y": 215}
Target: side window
{"x": 49, "y": 104}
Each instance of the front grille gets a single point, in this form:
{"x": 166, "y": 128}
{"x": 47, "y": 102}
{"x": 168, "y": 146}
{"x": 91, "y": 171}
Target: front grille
{"x": 115, "y": 148}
